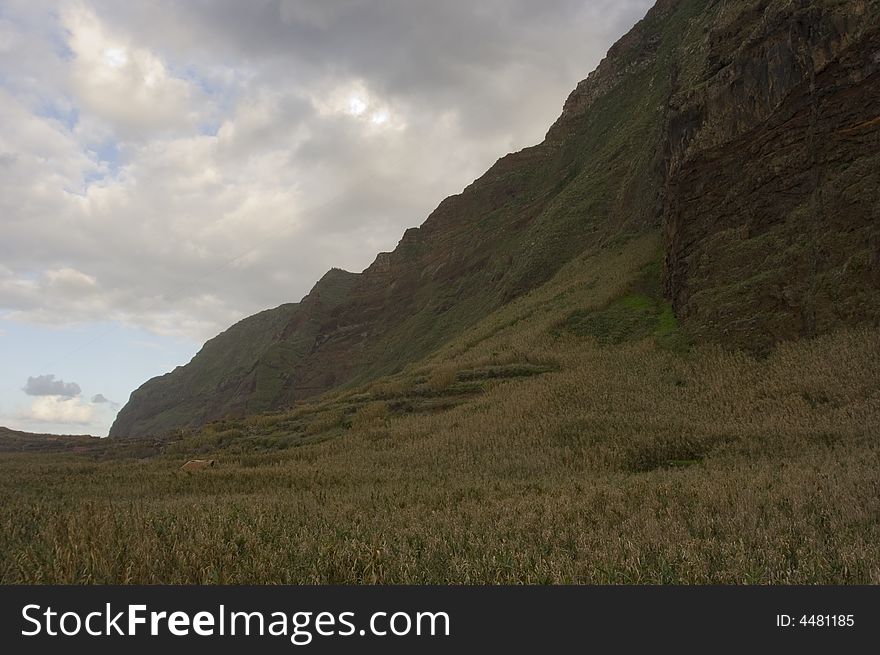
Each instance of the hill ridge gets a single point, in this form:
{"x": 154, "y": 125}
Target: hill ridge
{"x": 633, "y": 141}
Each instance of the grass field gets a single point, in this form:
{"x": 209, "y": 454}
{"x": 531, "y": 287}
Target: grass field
{"x": 545, "y": 445}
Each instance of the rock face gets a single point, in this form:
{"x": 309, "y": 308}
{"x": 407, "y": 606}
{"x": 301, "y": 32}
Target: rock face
{"x": 746, "y": 131}
{"x": 773, "y": 200}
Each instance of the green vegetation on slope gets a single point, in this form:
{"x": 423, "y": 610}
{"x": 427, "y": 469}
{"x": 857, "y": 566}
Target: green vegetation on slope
{"x": 595, "y": 177}
{"x": 519, "y": 453}
{"x": 745, "y": 131}
{"x": 641, "y": 312}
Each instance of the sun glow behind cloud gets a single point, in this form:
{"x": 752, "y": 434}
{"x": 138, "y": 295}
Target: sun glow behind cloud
{"x": 379, "y": 117}
{"x": 356, "y": 106}
{"x": 354, "y": 100}
{"x": 115, "y": 57}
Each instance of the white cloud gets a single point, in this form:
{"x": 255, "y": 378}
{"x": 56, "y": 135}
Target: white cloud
{"x": 40, "y": 160}
{"x": 176, "y": 167}
{"x": 70, "y": 280}
{"x": 58, "y": 409}
{"x": 127, "y": 85}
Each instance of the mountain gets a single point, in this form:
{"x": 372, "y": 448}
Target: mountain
{"x": 741, "y": 138}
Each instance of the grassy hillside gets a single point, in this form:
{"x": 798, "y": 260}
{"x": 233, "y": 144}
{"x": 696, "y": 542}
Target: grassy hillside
{"x": 594, "y": 178}
{"x": 539, "y": 446}
{"x": 744, "y": 133}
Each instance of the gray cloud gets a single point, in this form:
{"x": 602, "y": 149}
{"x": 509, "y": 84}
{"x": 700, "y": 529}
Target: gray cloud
{"x": 101, "y": 399}
{"x": 47, "y": 385}
{"x": 292, "y": 137}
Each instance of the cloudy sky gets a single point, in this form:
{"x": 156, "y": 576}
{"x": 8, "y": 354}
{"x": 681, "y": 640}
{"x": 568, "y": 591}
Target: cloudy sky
{"x": 167, "y": 168}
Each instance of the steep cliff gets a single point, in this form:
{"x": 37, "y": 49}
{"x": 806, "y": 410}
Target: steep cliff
{"x": 742, "y": 130}
{"x": 773, "y": 202}
{"x": 241, "y": 370}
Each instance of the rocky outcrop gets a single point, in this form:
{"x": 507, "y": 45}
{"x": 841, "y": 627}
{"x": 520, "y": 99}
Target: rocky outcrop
{"x": 774, "y": 175}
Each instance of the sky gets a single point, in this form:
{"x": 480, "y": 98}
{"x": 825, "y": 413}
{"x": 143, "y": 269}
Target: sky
{"x": 168, "y": 168}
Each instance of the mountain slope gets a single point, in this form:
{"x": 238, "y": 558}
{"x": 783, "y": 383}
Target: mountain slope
{"x": 742, "y": 130}
{"x": 773, "y": 213}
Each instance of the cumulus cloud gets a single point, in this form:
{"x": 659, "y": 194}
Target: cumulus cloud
{"x": 127, "y": 85}
{"x": 47, "y": 385}
{"x": 57, "y": 402}
{"x": 57, "y": 409}
{"x": 176, "y": 166}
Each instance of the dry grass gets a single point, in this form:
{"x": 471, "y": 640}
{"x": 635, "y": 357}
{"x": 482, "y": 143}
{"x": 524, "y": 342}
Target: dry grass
{"x": 442, "y": 378}
{"x": 630, "y": 464}
{"x": 604, "y": 464}
{"x": 370, "y": 415}
{"x": 325, "y": 421}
